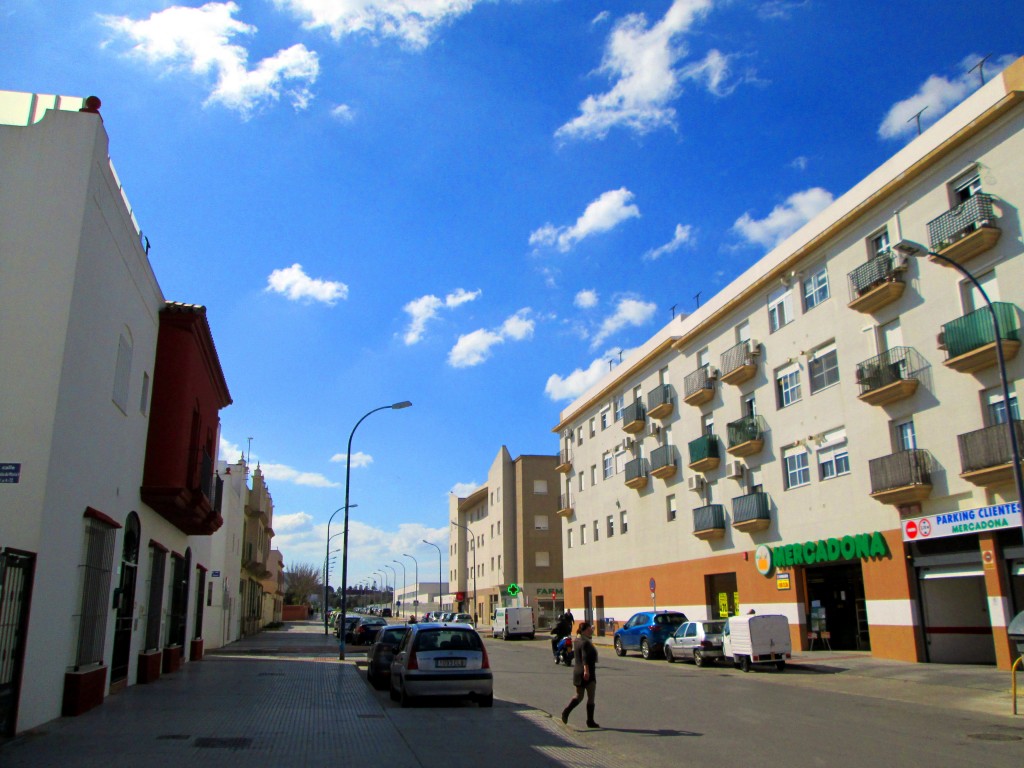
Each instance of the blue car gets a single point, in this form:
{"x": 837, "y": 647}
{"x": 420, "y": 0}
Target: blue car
{"x": 647, "y": 632}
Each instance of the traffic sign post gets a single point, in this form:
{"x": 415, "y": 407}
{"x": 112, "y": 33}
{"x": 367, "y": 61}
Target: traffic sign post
{"x": 654, "y": 600}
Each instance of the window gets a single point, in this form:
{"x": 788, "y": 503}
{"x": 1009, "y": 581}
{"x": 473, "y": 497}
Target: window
{"x": 787, "y": 382}
{"x": 122, "y": 372}
{"x": 542, "y": 559}
{"x": 620, "y": 462}
{"x": 797, "y": 471}
{"x": 492, "y": 564}
{"x": 499, "y": 562}
{"x": 670, "y": 508}
{"x": 823, "y": 368}
{"x": 815, "y": 288}
{"x": 579, "y": 435}
{"x": 568, "y": 539}
{"x": 604, "y": 417}
{"x": 583, "y": 535}
{"x": 144, "y": 397}
{"x": 611, "y": 525}
{"x": 593, "y": 474}
{"x": 597, "y": 530}
{"x": 499, "y": 527}
{"x": 609, "y": 466}
{"x": 620, "y": 404}
{"x": 833, "y": 456}
{"x": 579, "y": 481}
{"x": 540, "y": 487}
{"x": 95, "y": 570}
{"x": 707, "y": 423}
{"x": 996, "y": 407}
{"x": 904, "y": 437}
{"x": 967, "y": 188}
{"x": 703, "y": 358}
{"x": 540, "y": 522}
{"x": 780, "y": 308}
{"x": 623, "y": 522}
{"x": 593, "y": 426}
{"x": 878, "y": 244}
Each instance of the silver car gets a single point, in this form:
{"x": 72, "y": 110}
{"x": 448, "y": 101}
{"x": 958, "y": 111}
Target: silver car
{"x": 442, "y": 660}
{"x": 699, "y": 641}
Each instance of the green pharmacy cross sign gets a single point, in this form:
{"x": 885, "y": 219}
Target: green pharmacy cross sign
{"x": 862, "y": 546}
{"x": 513, "y": 590}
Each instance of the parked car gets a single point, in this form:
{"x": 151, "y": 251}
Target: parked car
{"x": 350, "y": 623}
{"x": 385, "y": 612}
{"x": 514, "y": 622}
{"x": 757, "y": 639}
{"x": 647, "y": 632}
{"x": 698, "y": 641}
{"x": 463, "y": 618}
{"x": 441, "y": 660}
{"x": 366, "y": 629}
{"x": 382, "y": 653}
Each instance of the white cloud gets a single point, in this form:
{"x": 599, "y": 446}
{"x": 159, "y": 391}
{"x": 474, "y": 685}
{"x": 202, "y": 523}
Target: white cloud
{"x": 682, "y": 236}
{"x": 586, "y": 299}
{"x": 715, "y": 72}
{"x": 602, "y": 17}
{"x": 359, "y": 459}
{"x": 780, "y": 9}
{"x": 343, "y": 113}
{"x": 425, "y": 308}
{"x": 519, "y": 326}
{"x": 413, "y": 22}
{"x": 287, "y": 474}
{"x": 627, "y": 312}
{"x": 799, "y": 163}
{"x": 603, "y": 214}
{"x": 296, "y": 285}
{"x": 475, "y": 347}
{"x": 785, "y": 219}
{"x": 199, "y": 39}
{"x": 641, "y": 61}
{"x": 462, "y": 490}
{"x": 580, "y": 380}
{"x": 937, "y": 95}
{"x": 229, "y": 451}
{"x": 290, "y": 522}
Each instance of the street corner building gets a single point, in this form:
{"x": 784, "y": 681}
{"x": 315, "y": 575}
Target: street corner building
{"x": 829, "y": 437}
{"x": 111, "y": 394}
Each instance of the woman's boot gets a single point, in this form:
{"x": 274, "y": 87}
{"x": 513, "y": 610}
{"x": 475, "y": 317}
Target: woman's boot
{"x": 590, "y": 717}
{"x": 565, "y": 712}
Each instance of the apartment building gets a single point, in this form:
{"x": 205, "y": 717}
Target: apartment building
{"x": 505, "y": 543}
{"x": 256, "y": 553}
{"x": 827, "y": 437}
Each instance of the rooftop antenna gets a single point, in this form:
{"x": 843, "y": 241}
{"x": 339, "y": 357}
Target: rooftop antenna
{"x": 249, "y": 457}
{"x": 918, "y": 118}
{"x": 980, "y": 66}
{"x": 611, "y": 364}
{"x": 674, "y": 311}
{"x": 697, "y": 297}
{"x": 620, "y": 355}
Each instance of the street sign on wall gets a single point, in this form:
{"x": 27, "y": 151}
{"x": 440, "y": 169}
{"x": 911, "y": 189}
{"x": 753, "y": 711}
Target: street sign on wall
{"x": 992, "y": 518}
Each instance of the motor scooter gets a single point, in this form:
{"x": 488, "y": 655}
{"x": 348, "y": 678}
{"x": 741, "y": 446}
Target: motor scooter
{"x": 563, "y": 651}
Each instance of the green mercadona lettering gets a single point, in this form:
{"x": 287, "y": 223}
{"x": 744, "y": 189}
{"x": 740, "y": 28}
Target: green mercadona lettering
{"x": 860, "y": 547}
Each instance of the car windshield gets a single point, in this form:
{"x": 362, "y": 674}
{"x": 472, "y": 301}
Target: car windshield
{"x": 448, "y": 639}
{"x": 669, "y": 619}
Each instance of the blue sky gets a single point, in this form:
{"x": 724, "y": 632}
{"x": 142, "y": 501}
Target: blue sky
{"x": 473, "y": 205}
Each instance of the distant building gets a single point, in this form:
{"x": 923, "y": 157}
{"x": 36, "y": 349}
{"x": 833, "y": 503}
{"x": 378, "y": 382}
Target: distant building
{"x": 259, "y": 517}
{"x": 273, "y": 588}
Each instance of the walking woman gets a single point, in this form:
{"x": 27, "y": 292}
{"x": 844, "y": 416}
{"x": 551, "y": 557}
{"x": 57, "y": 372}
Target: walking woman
{"x": 584, "y": 673}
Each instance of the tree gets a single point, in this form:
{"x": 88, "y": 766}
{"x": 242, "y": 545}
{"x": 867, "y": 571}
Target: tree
{"x": 303, "y": 580}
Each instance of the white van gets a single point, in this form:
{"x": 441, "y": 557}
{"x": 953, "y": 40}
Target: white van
{"x": 757, "y": 639}
{"x": 513, "y": 622}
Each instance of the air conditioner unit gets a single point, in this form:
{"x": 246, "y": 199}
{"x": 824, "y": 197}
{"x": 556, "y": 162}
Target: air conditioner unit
{"x": 940, "y": 340}
{"x": 695, "y": 483}
{"x": 712, "y": 373}
{"x": 627, "y": 443}
{"x": 654, "y": 429}
{"x": 755, "y": 347}
{"x": 735, "y": 469}
{"x": 899, "y": 262}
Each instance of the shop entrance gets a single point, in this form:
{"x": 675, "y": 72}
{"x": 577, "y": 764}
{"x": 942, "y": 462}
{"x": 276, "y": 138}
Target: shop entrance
{"x": 722, "y": 597}
{"x": 836, "y": 606}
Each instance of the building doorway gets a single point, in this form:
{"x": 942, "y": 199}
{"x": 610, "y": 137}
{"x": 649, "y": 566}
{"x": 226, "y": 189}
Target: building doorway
{"x": 723, "y": 599}
{"x": 836, "y": 606}
{"x": 124, "y": 601}
{"x": 17, "y": 572}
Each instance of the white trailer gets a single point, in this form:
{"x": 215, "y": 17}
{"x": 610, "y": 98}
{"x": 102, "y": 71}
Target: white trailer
{"x": 757, "y": 639}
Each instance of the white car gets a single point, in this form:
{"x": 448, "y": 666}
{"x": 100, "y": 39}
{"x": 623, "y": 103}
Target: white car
{"x": 441, "y": 660}
{"x": 697, "y": 641}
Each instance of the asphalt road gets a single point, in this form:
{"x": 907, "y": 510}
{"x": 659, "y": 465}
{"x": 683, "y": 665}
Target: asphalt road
{"x": 658, "y": 714}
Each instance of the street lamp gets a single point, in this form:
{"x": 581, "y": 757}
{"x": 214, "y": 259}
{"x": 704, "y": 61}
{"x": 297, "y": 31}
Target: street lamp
{"x": 915, "y": 249}
{"x": 394, "y": 581}
{"x": 344, "y": 546}
{"x": 401, "y": 612}
{"x": 439, "y": 606}
{"x": 416, "y": 598}
{"x": 466, "y": 529}
{"x": 326, "y": 580}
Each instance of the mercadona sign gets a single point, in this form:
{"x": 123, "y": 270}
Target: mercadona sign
{"x": 861, "y": 546}
{"x": 964, "y": 521}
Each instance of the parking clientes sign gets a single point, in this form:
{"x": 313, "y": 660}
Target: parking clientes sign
{"x": 861, "y": 546}
{"x": 992, "y": 518}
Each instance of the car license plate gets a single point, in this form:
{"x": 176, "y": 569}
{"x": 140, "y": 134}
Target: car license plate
{"x": 450, "y": 663}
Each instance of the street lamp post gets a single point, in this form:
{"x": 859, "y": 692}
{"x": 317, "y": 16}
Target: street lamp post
{"x": 466, "y": 529}
{"x": 344, "y": 546}
{"x": 401, "y": 612}
{"x": 914, "y": 249}
{"x": 416, "y": 598}
{"x": 326, "y": 579}
{"x": 394, "y": 581}
{"x": 439, "y": 606}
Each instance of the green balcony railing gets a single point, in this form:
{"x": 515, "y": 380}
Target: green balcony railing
{"x": 704, "y": 447}
{"x": 753, "y": 506}
{"x": 746, "y": 429}
{"x": 975, "y": 330}
{"x": 709, "y": 518}
{"x": 974, "y": 212}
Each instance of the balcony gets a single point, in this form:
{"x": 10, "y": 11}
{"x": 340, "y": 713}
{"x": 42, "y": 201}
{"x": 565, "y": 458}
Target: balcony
{"x": 877, "y": 283}
{"x": 709, "y": 522}
{"x": 752, "y": 512}
{"x": 739, "y": 363}
{"x": 986, "y": 457}
{"x": 965, "y": 231}
{"x": 890, "y": 376}
{"x": 900, "y": 478}
{"x": 699, "y": 386}
{"x": 746, "y": 436}
{"x": 564, "y": 461}
{"x": 637, "y": 474}
{"x": 190, "y": 504}
{"x": 704, "y": 453}
{"x": 970, "y": 341}
{"x": 664, "y": 463}
{"x": 566, "y": 507}
{"x": 661, "y": 402}
{"x": 633, "y": 417}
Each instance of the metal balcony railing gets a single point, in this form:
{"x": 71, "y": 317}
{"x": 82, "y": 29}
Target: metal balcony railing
{"x": 896, "y": 364}
{"x": 709, "y": 517}
{"x": 565, "y": 501}
{"x": 875, "y": 272}
{"x": 704, "y": 447}
{"x": 698, "y": 380}
{"x": 206, "y": 475}
{"x": 975, "y": 329}
{"x": 659, "y": 396}
{"x": 752, "y": 506}
{"x": 633, "y": 412}
{"x": 988, "y": 447}
{"x": 564, "y": 456}
{"x": 736, "y": 357}
{"x": 663, "y": 456}
{"x": 900, "y": 470}
{"x": 746, "y": 429}
{"x": 636, "y": 469}
{"x": 967, "y": 217}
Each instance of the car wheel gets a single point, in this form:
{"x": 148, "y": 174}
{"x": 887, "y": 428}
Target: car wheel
{"x": 487, "y": 701}
{"x": 668, "y": 654}
{"x": 698, "y": 658}
{"x": 745, "y": 663}
{"x": 405, "y": 698}
{"x": 780, "y": 665}
{"x": 504, "y": 634}
{"x": 645, "y": 649}
{"x": 532, "y": 635}
{"x": 619, "y": 650}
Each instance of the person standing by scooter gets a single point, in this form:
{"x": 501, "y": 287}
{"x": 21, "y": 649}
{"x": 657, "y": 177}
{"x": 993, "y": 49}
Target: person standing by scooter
{"x": 562, "y": 628}
{"x": 584, "y": 673}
